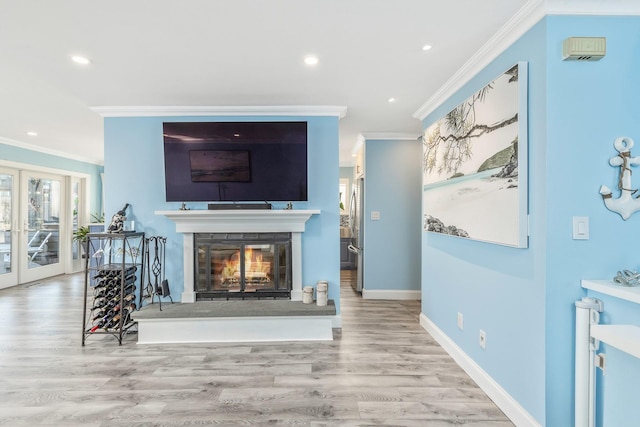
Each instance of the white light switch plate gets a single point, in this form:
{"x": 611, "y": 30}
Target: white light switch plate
{"x": 580, "y": 228}
{"x": 375, "y": 215}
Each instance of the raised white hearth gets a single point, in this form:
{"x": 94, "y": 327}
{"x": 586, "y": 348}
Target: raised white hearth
{"x": 189, "y": 222}
{"x": 235, "y": 321}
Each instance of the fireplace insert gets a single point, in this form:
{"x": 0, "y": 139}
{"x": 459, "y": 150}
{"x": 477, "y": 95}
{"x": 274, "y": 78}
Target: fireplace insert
{"x": 242, "y": 265}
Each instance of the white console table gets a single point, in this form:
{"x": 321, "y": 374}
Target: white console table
{"x": 625, "y": 338}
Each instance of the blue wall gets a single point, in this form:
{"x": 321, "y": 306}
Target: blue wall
{"x": 134, "y": 173}
{"x": 392, "y": 187}
{"x": 589, "y": 105}
{"x": 524, "y": 298}
{"x": 31, "y": 157}
{"x": 499, "y": 289}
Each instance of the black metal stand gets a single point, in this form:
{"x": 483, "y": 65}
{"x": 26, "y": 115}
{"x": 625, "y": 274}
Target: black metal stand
{"x": 157, "y": 284}
{"x": 113, "y": 268}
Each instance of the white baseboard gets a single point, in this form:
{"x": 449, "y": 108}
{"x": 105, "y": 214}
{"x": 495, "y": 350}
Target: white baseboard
{"x": 512, "y": 409}
{"x": 391, "y": 294}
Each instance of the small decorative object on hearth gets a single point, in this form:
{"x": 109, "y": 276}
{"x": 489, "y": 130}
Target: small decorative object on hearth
{"x": 322, "y": 288}
{"x": 117, "y": 220}
{"x": 307, "y": 295}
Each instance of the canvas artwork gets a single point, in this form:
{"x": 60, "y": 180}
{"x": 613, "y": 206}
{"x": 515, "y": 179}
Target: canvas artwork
{"x": 475, "y": 165}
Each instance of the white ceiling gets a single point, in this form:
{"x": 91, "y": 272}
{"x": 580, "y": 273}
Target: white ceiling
{"x": 229, "y": 53}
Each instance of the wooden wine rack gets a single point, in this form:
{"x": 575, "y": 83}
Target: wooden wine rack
{"x": 114, "y": 273}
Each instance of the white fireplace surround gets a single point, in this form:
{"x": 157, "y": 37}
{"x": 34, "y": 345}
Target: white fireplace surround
{"x": 189, "y": 222}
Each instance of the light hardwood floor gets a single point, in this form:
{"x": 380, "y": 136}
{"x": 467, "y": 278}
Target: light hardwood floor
{"x": 381, "y": 369}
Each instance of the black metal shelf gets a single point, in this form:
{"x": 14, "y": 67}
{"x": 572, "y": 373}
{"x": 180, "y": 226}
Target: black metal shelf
{"x": 118, "y": 259}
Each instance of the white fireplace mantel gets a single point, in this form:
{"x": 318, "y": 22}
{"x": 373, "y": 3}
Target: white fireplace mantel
{"x": 189, "y": 222}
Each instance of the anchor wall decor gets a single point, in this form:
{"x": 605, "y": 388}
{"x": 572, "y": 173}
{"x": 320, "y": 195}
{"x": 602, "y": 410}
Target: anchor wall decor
{"x": 626, "y": 204}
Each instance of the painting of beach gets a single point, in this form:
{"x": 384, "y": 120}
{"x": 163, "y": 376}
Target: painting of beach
{"x": 474, "y": 165}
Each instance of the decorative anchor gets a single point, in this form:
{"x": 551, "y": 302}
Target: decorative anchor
{"x": 626, "y": 204}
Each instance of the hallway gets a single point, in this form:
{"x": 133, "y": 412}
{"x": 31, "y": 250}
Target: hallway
{"x": 381, "y": 369}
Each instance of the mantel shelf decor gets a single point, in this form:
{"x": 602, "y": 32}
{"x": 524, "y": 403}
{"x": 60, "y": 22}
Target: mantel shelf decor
{"x": 625, "y": 205}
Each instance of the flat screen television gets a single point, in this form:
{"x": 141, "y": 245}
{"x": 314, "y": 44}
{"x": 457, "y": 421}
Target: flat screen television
{"x": 235, "y": 161}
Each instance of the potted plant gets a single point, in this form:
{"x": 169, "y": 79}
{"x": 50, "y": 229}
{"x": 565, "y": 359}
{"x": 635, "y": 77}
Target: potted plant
{"x": 80, "y": 235}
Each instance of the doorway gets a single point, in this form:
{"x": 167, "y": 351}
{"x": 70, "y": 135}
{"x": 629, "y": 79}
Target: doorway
{"x": 35, "y": 225}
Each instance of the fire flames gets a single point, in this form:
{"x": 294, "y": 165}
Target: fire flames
{"x": 256, "y": 270}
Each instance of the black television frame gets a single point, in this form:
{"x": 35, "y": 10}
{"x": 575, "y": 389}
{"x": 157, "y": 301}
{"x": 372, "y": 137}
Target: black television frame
{"x": 278, "y": 161}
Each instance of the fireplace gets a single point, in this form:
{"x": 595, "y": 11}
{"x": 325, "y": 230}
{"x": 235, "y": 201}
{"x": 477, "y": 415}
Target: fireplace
{"x": 192, "y": 222}
{"x": 242, "y": 265}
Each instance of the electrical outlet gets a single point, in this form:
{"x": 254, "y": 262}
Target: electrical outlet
{"x": 460, "y": 321}
{"x": 483, "y": 339}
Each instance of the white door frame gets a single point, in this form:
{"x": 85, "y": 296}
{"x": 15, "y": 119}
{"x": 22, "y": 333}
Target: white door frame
{"x": 11, "y": 278}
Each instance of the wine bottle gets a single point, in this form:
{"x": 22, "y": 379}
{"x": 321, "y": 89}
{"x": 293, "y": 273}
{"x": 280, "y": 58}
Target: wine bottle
{"x": 100, "y": 303}
{"x": 101, "y": 312}
{"x": 128, "y": 308}
{"x": 102, "y": 282}
{"x": 99, "y": 324}
{"x": 106, "y": 274}
{"x": 114, "y": 322}
{"x": 107, "y": 292}
{"x": 129, "y": 297}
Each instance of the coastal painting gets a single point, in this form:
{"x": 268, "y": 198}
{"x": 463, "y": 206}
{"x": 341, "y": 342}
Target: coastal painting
{"x": 475, "y": 165}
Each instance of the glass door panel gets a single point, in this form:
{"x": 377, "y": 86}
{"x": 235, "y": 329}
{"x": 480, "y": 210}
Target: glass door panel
{"x": 77, "y": 190}
{"x": 8, "y": 245}
{"x": 225, "y": 267}
{"x": 258, "y": 267}
{"x": 42, "y": 210}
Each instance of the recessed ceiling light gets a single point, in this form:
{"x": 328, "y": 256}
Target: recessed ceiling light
{"x": 311, "y": 60}
{"x": 392, "y": 100}
{"x": 82, "y": 60}
{"x": 32, "y": 133}
{"x": 426, "y": 47}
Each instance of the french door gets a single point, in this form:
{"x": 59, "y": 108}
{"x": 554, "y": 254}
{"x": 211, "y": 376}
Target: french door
{"x": 8, "y": 227}
{"x": 41, "y": 230}
{"x": 38, "y": 213}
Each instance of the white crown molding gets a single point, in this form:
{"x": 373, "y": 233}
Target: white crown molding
{"x": 593, "y": 7}
{"x": 529, "y": 15}
{"x": 285, "y": 110}
{"x": 532, "y": 12}
{"x": 362, "y": 137}
{"x": 347, "y": 164}
{"x": 45, "y": 150}
{"x": 389, "y": 135}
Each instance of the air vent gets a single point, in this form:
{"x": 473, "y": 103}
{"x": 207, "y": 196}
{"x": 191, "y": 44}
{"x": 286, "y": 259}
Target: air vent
{"x": 584, "y": 48}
